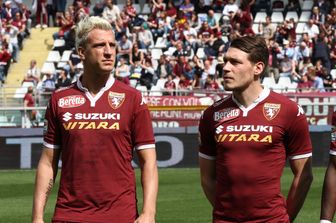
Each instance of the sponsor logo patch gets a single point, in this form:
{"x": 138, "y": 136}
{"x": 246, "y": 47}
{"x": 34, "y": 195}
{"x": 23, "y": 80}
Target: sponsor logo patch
{"x": 71, "y": 101}
{"x": 271, "y": 110}
{"x": 226, "y": 114}
{"x": 116, "y": 99}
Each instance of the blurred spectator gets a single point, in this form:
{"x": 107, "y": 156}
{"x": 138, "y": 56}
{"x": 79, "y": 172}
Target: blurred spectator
{"x": 171, "y": 10}
{"x": 327, "y": 79}
{"x": 136, "y": 54}
{"x": 184, "y": 83}
{"x": 81, "y": 10}
{"x": 72, "y": 63}
{"x": 175, "y": 35}
{"x": 230, "y": 8}
{"x": 8, "y": 12}
{"x": 164, "y": 67}
{"x": 129, "y": 10}
{"x": 210, "y": 83}
{"x": 12, "y": 32}
{"x": 317, "y": 16}
{"x": 182, "y": 67}
{"x": 273, "y": 62}
{"x": 205, "y": 34}
{"x": 187, "y": 8}
{"x": 292, "y": 5}
{"x": 181, "y": 50}
{"x": 323, "y": 6}
{"x": 21, "y": 27}
{"x": 215, "y": 47}
{"x": 208, "y": 70}
{"x": 194, "y": 21}
{"x": 49, "y": 84}
{"x": 145, "y": 37}
{"x": 300, "y": 52}
{"x": 245, "y": 20}
{"x": 33, "y": 74}
{"x": 122, "y": 71}
{"x": 312, "y": 29}
{"x": 321, "y": 51}
{"x": 213, "y": 24}
{"x": 4, "y": 61}
{"x": 190, "y": 35}
{"x": 158, "y": 7}
{"x": 304, "y": 85}
{"x": 66, "y": 23}
{"x": 41, "y": 11}
{"x": 225, "y": 25}
{"x": 111, "y": 12}
{"x": 153, "y": 25}
{"x": 316, "y": 80}
{"x": 29, "y": 102}
{"x": 219, "y": 68}
{"x": 62, "y": 80}
{"x": 124, "y": 48}
{"x": 169, "y": 86}
{"x": 147, "y": 74}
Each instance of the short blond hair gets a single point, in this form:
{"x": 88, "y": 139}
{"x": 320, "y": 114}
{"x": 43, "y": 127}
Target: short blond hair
{"x": 86, "y": 25}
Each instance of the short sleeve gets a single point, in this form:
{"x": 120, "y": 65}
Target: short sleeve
{"x": 142, "y": 132}
{"x": 207, "y": 146}
{"x": 51, "y": 132}
{"x": 297, "y": 138}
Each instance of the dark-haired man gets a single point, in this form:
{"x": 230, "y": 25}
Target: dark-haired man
{"x": 245, "y": 140}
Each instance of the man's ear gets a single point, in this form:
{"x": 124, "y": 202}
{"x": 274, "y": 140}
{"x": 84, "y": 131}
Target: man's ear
{"x": 259, "y": 68}
{"x": 80, "y": 52}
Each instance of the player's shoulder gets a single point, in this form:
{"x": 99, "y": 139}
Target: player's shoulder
{"x": 65, "y": 90}
{"x": 285, "y": 103}
{"x": 124, "y": 88}
{"x": 218, "y": 105}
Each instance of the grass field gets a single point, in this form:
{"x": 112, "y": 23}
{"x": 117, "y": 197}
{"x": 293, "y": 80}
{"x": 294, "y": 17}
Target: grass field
{"x": 180, "y": 197}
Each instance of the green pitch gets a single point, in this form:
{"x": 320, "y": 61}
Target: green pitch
{"x": 180, "y": 197}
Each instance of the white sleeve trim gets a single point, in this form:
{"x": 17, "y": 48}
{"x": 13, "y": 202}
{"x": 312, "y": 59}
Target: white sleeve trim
{"x": 206, "y": 156}
{"x": 51, "y": 146}
{"x": 147, "y": 146}
{"x": 332, "y": 152}
{"x": 301, "y": 156}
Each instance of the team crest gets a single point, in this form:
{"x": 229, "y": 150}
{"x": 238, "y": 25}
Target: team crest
{"x": 116, "y": 99}
{"x": 271, "y": 110}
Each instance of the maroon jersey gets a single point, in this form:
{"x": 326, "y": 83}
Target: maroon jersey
{"x": 333, "y": 135}
{"x": 250, "y": 146}
{"x": 96, "y": 135}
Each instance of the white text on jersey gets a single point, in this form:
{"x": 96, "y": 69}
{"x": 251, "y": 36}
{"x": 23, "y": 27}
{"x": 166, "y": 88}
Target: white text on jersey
{"x": 249, "y": 128}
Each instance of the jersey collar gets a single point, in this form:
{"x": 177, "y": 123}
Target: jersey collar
{"x": 95, "y": 98}
{"x": 264, "y": 94}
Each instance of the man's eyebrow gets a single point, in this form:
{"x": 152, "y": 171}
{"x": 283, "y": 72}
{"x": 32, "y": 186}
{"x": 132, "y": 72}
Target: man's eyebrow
{"x": 231, "y": 59}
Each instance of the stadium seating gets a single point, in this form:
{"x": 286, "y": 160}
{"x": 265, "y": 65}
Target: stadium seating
{"x": 141, "y": 88}
{"x": 268, "y": 82}
{"x": 299, "y": 28}
{"x": 307, "y": 5}
{"x": 277, "y": 17}
{"x": 146, "y": 9}
{"x": 48, "y": 67}
{"x": 305, "y": 16}
{"x": 156, "y": 53}
{"x": 53, "y": 56}
{"x": 200, "y": 53}
{"x": 260, "y": 17}
{"x": 155, "y": 91}
{"x": 293, "y": 15}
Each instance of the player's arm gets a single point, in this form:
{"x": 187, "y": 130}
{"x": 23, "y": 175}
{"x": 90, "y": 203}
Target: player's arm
{"x": 302, "y": 180}
{"x": 328, "y": 206}
{"x": 149, "y": 181}
{"x": 208, "y": 178}
{"x": 45, "y": 177}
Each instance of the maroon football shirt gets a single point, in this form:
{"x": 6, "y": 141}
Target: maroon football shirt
{"x": 96, "y": 136}
{"x": 250, "y": 146}
{"x": 333, "y": 135}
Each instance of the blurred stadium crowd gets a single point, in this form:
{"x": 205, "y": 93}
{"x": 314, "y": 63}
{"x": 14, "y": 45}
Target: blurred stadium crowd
{"x": 173, "y": 45}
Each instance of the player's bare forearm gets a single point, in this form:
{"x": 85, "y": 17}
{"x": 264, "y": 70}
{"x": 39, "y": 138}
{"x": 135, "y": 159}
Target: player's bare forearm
{"x": 328, "y": 205}
{"x": 45, "y": 176}
{"x": 303, "y": 178}
{"x": 208, "y": 178}
{"x": 149, "y": 180}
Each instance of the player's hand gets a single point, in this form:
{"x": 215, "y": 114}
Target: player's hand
{"x": 145, "y": 218}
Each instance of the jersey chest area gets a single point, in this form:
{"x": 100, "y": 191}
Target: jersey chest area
{"x": 104, "y": 116}
{"x": 255, "y": 130}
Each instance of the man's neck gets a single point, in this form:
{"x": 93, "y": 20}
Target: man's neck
{"x": 94, "y": 83}
{"x": 249, "y": 95}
